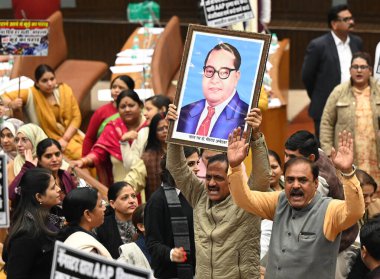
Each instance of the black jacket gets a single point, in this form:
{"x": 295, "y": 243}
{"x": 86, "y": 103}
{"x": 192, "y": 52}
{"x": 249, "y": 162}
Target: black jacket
{"x": 29, "y": 257}
{"x": 109, "y": 236}
{"x": 321, "y": 70}
{"x": 159, "y": 235}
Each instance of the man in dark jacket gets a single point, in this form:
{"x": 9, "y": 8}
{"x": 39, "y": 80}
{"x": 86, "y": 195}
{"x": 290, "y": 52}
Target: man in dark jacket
{"x": 327, "y": 60}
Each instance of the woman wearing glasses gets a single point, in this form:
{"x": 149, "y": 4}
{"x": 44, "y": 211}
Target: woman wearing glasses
{"x": 83, "y": 209}
{"x": 355, "y": 106}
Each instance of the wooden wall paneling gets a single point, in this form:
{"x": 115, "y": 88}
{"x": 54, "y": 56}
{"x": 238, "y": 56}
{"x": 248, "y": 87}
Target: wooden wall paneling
{"x": 300, "y": 38}
{"x": 96, "y": 40}
{"x": 310, "y": 10}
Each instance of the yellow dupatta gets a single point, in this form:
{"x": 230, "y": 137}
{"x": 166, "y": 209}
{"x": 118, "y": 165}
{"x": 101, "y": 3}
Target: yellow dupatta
{"x": 69, "y": 115}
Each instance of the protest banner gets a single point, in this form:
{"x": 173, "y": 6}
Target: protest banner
{"x": 24, "y": 37}
{"x": 220, "y": 13}
{"x": 70, "y": 263}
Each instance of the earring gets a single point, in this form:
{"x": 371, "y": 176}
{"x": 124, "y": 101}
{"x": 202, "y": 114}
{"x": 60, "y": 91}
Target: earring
{"x": 41, "y": 203}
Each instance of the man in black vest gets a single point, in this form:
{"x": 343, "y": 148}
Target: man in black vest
{"x": 306, "y": 225}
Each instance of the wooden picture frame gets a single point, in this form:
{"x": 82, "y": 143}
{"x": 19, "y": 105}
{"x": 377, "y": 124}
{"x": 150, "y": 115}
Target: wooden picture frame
{"x": 231, "y": 97}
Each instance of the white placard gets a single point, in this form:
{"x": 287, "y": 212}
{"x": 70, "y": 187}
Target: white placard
{"x": 127, "y": 69}
{"x": 70, "y": 263}
{"x": 133, "y": 60}
{"x": 13, "y": 84}
{"x": 136, "y": 52}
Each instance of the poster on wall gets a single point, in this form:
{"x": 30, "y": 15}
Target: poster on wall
{"x": 219, "y": 13}
{"x": 24, "y": 37}
{"x": 220, "y": 80}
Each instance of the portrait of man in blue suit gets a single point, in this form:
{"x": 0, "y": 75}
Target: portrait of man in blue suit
{"x": 221, "y": 110}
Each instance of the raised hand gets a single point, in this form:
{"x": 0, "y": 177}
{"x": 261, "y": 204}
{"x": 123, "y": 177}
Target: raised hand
{"x": 237, "y": 147}
{"x": 344, "y": 156}
{"x": 172, "y": 113}
{"x": 254, "y": 119}
{"x": 29, "y": 157}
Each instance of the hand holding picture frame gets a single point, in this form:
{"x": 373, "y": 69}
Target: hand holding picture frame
{"x": 220, "y": 81}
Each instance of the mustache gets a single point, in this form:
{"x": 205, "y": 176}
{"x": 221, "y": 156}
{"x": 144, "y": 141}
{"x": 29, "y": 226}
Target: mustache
{"x": 212, "y": 187}
{"x": 296, "y": 192}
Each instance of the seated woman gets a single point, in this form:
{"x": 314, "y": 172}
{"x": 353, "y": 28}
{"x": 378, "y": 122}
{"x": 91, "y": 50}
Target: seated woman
{"x": 27, "y": 138}
{"x": 28, "y": 250}
{"x": 155, "y": 149}
{"x": 105, "y": 113}
{"x": 53, "y": 107}
{"x": 83, "y": 209}
{"x": 121, "y": 143}
{"x": 155, "y": 104}
{"x": 49, "y": 155}
{"x": 7, "y": 137}
{"x": 136, "y": 253}
{"x": 117, "y": 228}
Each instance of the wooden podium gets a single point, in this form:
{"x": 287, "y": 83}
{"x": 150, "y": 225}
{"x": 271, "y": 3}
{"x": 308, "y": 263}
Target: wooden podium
{"x": 274, "y": 125}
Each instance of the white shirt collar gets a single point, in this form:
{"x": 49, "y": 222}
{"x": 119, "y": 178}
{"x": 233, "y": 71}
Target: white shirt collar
{"x": 218, "y": 111}
{"x": 338, "y": 41}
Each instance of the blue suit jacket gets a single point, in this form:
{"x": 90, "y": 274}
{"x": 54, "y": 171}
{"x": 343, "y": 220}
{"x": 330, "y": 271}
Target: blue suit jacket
{"x": 231, "y": 117}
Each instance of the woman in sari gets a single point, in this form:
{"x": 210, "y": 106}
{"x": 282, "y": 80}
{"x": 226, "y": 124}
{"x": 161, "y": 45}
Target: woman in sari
{"x": 53, "y": 107}
{"x": 105, "y": 113}
{"x": 121, "y": 143}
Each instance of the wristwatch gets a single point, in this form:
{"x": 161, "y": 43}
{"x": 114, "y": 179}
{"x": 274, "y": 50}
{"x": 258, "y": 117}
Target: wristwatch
{"x": 350, "y": 174}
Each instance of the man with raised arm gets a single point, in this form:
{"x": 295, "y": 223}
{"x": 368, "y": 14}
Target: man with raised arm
{"x": 226, "y": 236}
{"x": 306, "y": 228}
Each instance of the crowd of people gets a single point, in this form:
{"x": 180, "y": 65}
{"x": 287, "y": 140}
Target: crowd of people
{"x": 185, "y": 213}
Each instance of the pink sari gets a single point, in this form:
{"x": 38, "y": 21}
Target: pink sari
{"x": 108, "y": 144}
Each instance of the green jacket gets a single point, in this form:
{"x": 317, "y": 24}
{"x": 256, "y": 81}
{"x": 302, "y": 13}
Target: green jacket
{"x": 227, "y": 238}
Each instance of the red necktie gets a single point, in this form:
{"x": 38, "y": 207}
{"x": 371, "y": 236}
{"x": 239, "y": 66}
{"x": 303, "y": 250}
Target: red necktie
{"x": 205, "y": 126}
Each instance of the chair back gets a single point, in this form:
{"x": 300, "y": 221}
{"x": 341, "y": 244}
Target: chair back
{"x": 166, "y": 59}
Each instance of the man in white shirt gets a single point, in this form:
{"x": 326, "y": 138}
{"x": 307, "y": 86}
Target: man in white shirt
{"x": 327, "y": 60}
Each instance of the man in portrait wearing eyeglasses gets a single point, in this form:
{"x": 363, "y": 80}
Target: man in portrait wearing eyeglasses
{"x": 221, "y": 110}
{"x": 327, "y": 60}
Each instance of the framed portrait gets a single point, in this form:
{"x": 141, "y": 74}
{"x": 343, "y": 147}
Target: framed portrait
{"x": 220, "y": 81}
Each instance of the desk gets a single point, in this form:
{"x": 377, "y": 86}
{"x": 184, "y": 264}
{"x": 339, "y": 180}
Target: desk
{"x": 146, "y": 41}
